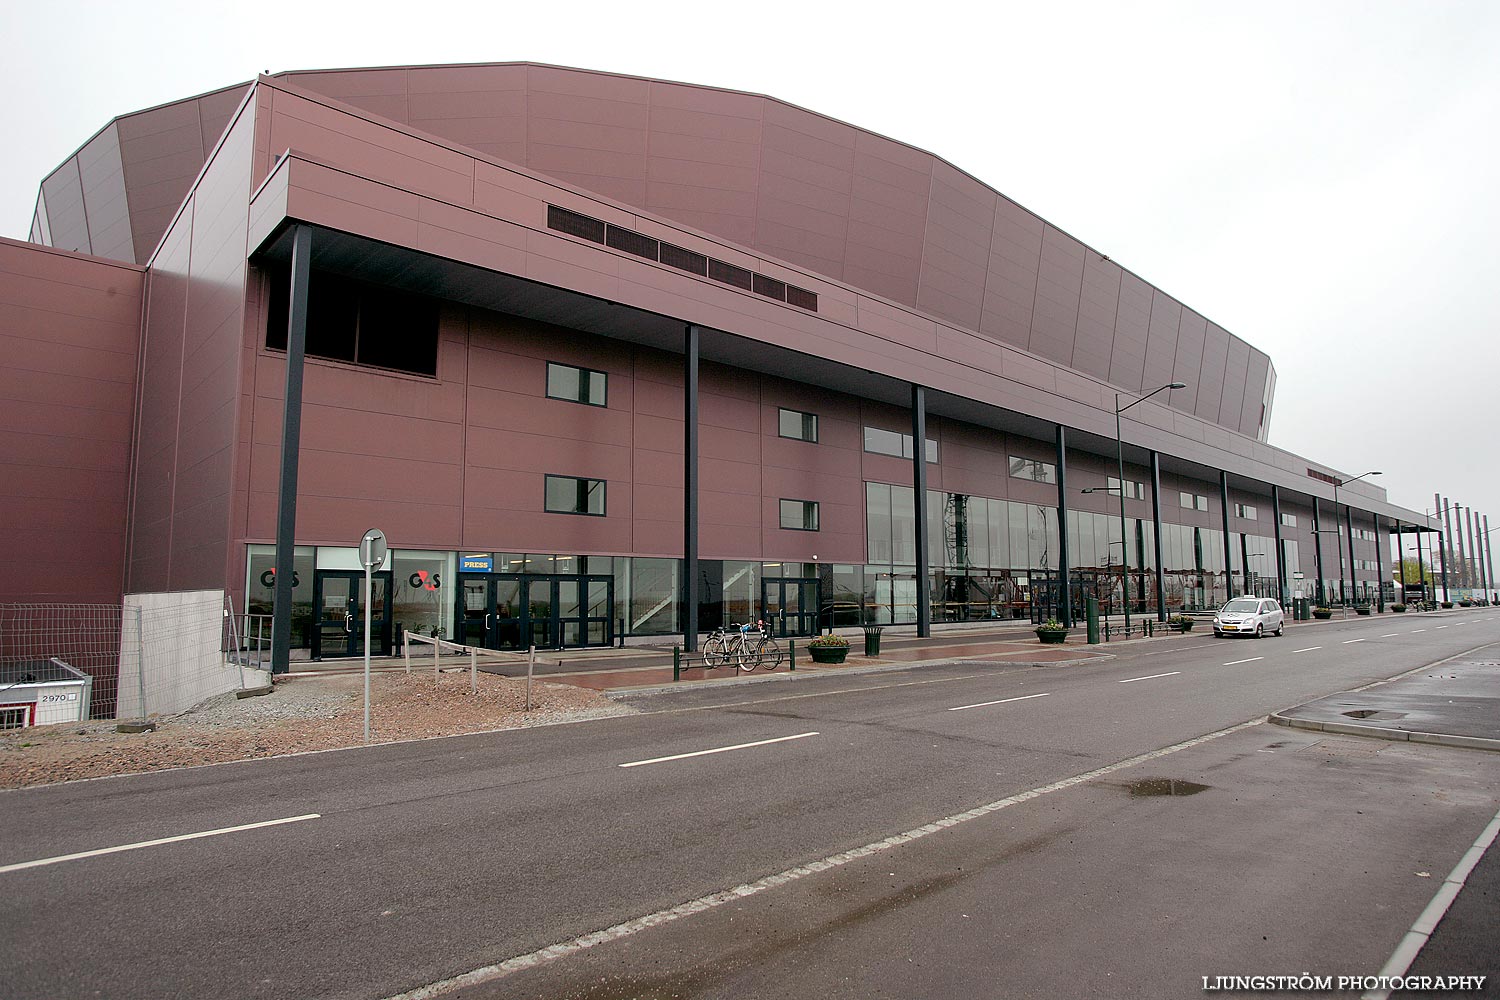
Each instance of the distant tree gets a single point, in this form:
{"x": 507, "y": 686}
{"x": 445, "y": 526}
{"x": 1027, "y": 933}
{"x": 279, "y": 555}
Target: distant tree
{"x": 1409, "y": 572}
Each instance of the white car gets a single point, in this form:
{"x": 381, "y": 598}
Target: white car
{"x": 1249, "y": 616}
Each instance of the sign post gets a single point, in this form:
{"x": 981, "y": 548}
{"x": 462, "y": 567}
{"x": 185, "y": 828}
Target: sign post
{"x": 372, "y": 552}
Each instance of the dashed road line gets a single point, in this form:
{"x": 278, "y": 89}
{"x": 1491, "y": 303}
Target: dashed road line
{"x": 1308, "y": 649}
{"x": 1416, "y": 630}
{"x": 1390, "y": 635}
{"x": 1252, "y": 659}
{"x": 1002, "y": 701}
{"x": 155, "y": 843}
{"x": 1151, "y": 677}
{"x": 704, "y": 753}
{"x": 1347, "y": 641}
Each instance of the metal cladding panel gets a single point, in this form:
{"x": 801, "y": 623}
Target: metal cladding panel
{"x": 1011, "y": 278}
{"x": 1054, "y": 328}
{"x": 960, "y": 227}
{"x": 1187, "y": 368}
{"x": 1236, "y": 374}
{"x": 68, "y": 344}
{"x": 66, "y": 218}
{"x": 806, "y": 180}
{"x": 1127, "y": 359}
{"x": 887, "y": 218}
{"x": 1255, "y": 393}
{"x": 1098, "y": 305}
{"x": 1211, "y": 373}
{"x": 1161, "y": 341}
{"x": 104, "y": 197}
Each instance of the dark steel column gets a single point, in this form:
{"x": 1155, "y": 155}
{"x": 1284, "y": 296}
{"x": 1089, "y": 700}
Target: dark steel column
{"x": 1353, "y": 574}
{"x": 919, "y": 506}
{"x": 1489, "y": 559}
{"x": 1161, "y": 579}
{"x": 1280, "y": 547}
{"x": 1446, "y": 538}
{"x": 1473, "y": 567}
{"x": 1443, "y": 555}
{"x": 291, "y": 444}
{"x": 1421, "y": 575}
{"x": 690, "y": 489}
{"x": 1401, "y": 558}
{"x": 1228, "y": 562}
{"x": 1463, "y": 564}
{"x": 1318, "y": 547}
{"x": 1379, "y": 566}
{"x": 1064, "y": 594}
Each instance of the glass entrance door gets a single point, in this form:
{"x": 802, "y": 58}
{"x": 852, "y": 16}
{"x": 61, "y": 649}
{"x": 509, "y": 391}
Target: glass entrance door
{"x": 513, "y": 611}
{"x": 339, "y": 614}
{"x": 791, "y": 604}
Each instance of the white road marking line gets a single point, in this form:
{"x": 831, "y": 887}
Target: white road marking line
{"x": 704, "y": 753}
{"x": 717, "y": 899}
{"x": 1427, "y": 920}
{"x": 1442, "y": 626}
{"x": 1252, "y": 659}
{"x": 1416, "y": 630}
{"x": 1150, "y": 677}
{"x": 1347, "y": 641}
{"x": 1002, "y": 701}
{"x": 1390, "y": 635}
{"x": 153, "y": 843}
{"x": 1308, "y": 649}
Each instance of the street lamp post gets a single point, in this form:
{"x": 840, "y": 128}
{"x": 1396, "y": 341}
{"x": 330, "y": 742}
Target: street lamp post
{"x": 1348, "y": 524}
{"x": 1120, "y": 464}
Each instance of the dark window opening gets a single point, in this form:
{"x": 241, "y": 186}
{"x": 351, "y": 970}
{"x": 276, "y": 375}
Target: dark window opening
{"x": 574, "y": 224}
{"x": 631, "y": 242}
{"x": 568, "y": 495}
{"x": 359, "y": 323}
{"x": 770, "y": 287}
{"x": 802, "y": 298}
{"x": 739, "y": 277}
{"x": 684, "y": 260}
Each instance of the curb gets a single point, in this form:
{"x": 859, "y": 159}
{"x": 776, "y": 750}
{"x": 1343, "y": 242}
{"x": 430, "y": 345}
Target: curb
{"x": 1382, "y": 733}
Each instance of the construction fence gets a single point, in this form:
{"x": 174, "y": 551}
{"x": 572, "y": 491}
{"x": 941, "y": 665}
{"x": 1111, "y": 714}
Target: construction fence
{"x": 152, "y": 655}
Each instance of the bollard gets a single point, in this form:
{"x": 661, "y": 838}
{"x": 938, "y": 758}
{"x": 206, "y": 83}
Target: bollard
{"x": 791, "y": 655}
{"x": 676, "y": 663}
{"x": 1091, "y": 609}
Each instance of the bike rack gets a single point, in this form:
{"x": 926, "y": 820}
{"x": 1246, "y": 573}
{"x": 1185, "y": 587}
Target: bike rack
{"x": 679, "y": 658}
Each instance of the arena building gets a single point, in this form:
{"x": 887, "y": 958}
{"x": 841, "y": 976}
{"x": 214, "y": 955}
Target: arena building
{"x": 606, "y": 356}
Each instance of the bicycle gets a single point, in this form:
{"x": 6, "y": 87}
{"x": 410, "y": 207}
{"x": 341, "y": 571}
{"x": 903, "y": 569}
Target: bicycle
{"x": 746, "y": 646}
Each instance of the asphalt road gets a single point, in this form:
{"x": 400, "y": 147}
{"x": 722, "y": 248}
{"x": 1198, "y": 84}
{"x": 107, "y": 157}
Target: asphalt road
{"x": 428, "y": 860}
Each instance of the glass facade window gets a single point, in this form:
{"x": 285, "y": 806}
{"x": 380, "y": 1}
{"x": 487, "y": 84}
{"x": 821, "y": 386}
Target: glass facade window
{"x": 797, "y": 425}
{"x": 1190, "y": 501}
{"x": 1132, "y": 491}
{"x": 577, "y": 385}
{"x": 1245, "y": 511}
{"x": 1033, "y": 469}
{"x": 1289, "y": 520}
{"x": 260, "y": 595}
{"x": 567, "y": 495}
{"x": 799, "y": 515}
{"x": 422, "y": 590}
{"x": 879, "y": 441}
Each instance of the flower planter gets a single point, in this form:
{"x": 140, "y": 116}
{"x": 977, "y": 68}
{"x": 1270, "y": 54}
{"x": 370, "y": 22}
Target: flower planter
{"x": 1361, "y": 611}
{"x": 1323, "y": 615}
{"x": 1400, "y": 609}
{"x": 1181, "y": 626}
{"x": 828, "y": 654}
{"x": 1052, "y": 636}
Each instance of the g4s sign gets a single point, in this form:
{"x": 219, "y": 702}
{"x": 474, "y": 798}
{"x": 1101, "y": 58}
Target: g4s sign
{"x": 268, "y": 578}
{"x": 425, "y": 580}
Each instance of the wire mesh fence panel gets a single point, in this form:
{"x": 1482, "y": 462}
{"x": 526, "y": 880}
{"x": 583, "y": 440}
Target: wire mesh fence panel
{"x": 86, "y": 636}
{"x": 172, "y": 654}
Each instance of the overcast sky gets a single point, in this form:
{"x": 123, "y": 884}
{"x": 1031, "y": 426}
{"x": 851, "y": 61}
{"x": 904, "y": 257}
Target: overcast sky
{"x": 1318, "y": 178}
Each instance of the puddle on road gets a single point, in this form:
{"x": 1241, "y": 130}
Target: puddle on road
{"x": 1374, "y": 713}
{"x": 1164, "y": 786}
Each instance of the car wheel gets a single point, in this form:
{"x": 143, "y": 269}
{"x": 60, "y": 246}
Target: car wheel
{"x": 1260, "y": 631}
{"x": 1280, "y": 628}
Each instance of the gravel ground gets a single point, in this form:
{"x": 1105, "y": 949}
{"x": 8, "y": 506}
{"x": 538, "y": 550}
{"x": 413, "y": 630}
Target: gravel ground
{"x": 301, "y": 714}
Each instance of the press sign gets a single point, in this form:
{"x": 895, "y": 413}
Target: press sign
{"x": 477, "y": 563}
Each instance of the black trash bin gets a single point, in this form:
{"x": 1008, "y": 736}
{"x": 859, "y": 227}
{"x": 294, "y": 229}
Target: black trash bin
{"x": 872, "y": 640}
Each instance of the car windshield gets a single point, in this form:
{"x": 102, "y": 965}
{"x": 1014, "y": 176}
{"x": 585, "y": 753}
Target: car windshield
{"x": 1243, "y": 606}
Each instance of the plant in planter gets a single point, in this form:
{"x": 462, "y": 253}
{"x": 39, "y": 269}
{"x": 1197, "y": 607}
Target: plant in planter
{"x": 1398, "y": 608}
{"x": 1052, "y": 631}
{"x": 1466, "y": 604}
{"x": 829, "y": 648}
{"x": 1180, "y": 623}
{"x": 1322, "y": 614}
{"x": 1447, "y": 604}
{"x": 1361, "y": 609}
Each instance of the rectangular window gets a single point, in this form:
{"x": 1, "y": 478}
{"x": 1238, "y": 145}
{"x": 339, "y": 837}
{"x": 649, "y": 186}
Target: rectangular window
{"x": 358, "y": 323}
{"x": 799, "y": 515}
{"x": 797, "y": 425}
{"x": 577, "y": 385}
{"x": 1033, "y": 469}
{"x": 567, "y": 495}
{"x": 1190, "y": 502}
{"x": 1289, "y": 520}
{"x": 1133, "y": 490}
{"x": 1245, "y": 510}
{"x": 884, "y": 442}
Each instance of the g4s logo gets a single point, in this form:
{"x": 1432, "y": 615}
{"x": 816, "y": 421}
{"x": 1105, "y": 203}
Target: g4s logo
{"x": 425, "y": 580}
{"x": 268, "y": 578}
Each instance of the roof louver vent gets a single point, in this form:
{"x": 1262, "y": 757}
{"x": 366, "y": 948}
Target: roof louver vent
{"x": 684, "y": 260}
{"x": 802, "y": 298}
{"x": 574, "y": 224}
{"x": 770, "y": 288}
{"x": 631, "y": 242}
{"x": 739, "y": 277}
